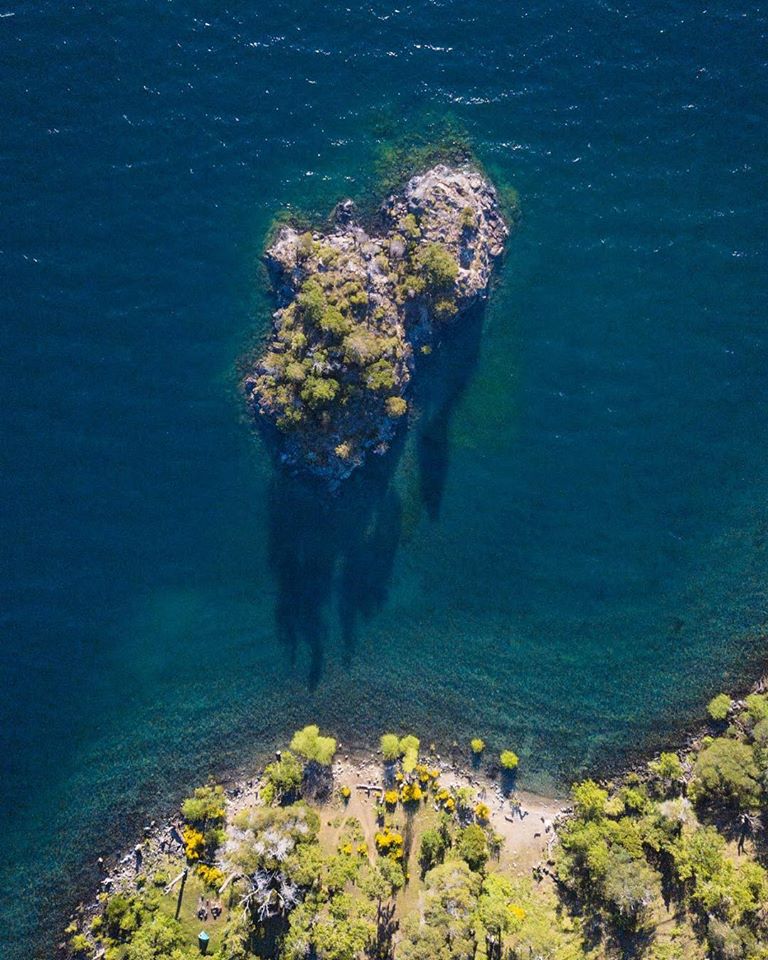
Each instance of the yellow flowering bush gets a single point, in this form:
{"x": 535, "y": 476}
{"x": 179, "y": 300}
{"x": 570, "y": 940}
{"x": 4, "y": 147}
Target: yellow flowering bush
{"x": 391, "y": 798}
{"x": 346, "y": 848}
{"x": 425, "y": 773}
{"x": 211, "y": 876}
{"x": 411, "y": 793}
{"x": 194, "y": 843}
{"x": 389, "y": 843}
{"x": 362, "y": 849}
{"x": 345, "y": 792}
{"x": 482, "y": 812}
{"x": 445, "y": 799}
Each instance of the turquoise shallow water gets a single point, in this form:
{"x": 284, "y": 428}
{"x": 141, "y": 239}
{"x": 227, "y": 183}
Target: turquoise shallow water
{"x": 567, "y": 552}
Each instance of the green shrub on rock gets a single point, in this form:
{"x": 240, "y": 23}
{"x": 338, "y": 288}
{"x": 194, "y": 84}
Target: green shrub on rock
{"x": 445, "y": 309}
{"x": 205, "y": 806}
{"x": 317, "y": 391}
{"x": 436, "y": 266}
{"x": 380, "y": 376}
{"x": 396, "y": 406}
{"x": 719, "y": 707}
{"x": 311, "y": 300}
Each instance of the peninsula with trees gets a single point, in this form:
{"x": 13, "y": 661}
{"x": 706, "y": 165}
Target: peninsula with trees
{"x": 357, "y": 306}
{"x": 410, "y": 854}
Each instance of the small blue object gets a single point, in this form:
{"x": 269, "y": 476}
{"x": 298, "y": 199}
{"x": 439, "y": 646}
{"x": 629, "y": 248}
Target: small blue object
{"x": 202, "y": 941}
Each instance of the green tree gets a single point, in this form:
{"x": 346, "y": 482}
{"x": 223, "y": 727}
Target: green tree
{"x": 205, "y": 806}
{"x": 271, "y": 836}
{"x": 80, "y": 946}
{"x": 316, "y": 391}
{"x": 760, "y": 737}
{"x": 311, "y": 299}
{"x": 122, "y": 916}
{"x": 445, "y": 928}
{"x": 432, "y": 850}
{"x": 472, "y": 846}
{"x": 757, "y": 708}
{"x": 719, "y": 707}
{"x": 436, "y": 266}
{"x": 589, "y": 800}
{"x": 538, "y": 930}
{"x": 160, "y": 938}
{"x": 334, "y": 322}
{"x": 285, "y": 776}
{"x": 495, "y": 910}
{"x": 630, "y": 887}
{"x": 726, "y": 771}
{"x": 380, "y": 376}
{"x": 339, "y": 929}
{"x": 409, "y": 750}
{"x": 308, "y": 743}
{"x": 390, "y": 746}
{"x": 716, "y": 883}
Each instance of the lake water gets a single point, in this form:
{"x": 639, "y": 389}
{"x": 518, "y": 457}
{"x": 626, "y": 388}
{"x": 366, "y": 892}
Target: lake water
{"x": 566, "y": 554}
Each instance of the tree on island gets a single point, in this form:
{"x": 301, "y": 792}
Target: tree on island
{"x": 719, "y": 707}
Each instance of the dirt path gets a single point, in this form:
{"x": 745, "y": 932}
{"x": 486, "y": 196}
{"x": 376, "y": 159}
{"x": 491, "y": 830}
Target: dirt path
{"x": 526, "y": 838}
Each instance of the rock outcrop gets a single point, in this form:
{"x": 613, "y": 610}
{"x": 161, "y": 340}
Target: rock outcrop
{"x": 356, "y": 307}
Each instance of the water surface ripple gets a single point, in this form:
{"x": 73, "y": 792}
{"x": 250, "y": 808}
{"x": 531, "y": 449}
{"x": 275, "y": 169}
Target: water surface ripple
{"x": 568, "y": 552}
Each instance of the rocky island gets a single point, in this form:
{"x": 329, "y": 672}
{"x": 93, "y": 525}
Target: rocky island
{"x": 356, "y": 307}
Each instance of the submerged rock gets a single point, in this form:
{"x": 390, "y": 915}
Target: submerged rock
{"x": 355, "y": 308}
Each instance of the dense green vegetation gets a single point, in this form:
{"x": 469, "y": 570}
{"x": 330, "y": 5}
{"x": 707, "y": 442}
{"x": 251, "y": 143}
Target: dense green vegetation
{"x": 667, "y": 863}
{"x": 339, "y": 343}
{"x": 685, "y": 841}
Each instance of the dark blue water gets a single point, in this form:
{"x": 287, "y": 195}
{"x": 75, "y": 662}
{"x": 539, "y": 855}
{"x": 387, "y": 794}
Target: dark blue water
{"x": 567, "y": 554}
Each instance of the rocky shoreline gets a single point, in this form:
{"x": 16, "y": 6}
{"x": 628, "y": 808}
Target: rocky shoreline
{"x": 355, "y": 309}
{"x": 162, "y": 842}
{"x": 708, "y": 792}
{"x": 162, "y": 839}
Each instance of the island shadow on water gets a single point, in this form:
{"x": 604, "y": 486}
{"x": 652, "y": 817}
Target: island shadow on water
{"x": 335, "y": 550}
